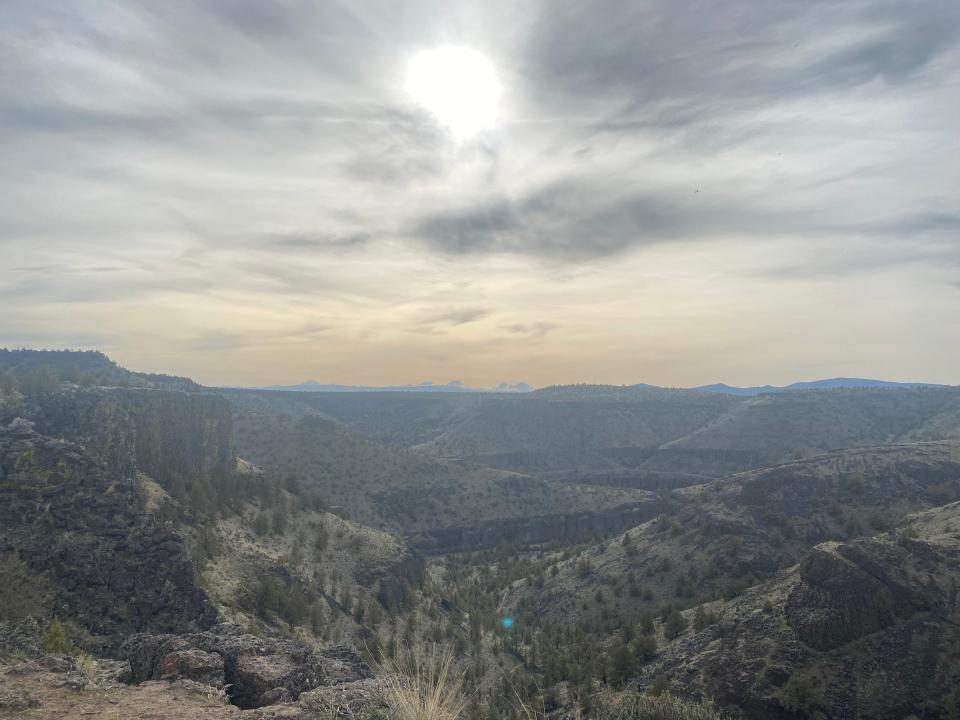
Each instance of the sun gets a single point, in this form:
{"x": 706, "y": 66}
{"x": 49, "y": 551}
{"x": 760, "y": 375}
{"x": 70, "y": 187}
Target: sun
{"x": 458, "y": 85}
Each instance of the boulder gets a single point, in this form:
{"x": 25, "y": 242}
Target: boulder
{"x": 348, "y": 700}
{"x": 257, "y": 671}
{"x": 192, "y": 664}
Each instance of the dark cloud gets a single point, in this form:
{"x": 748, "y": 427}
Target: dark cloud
{"x": 575, "y": 221}
{"x": 302, "y": 241}
{"x": 533, "y": 330}
{"x": 580, "y": 220}
{"x": 922, "y": 223}
{"x": 672, "y": 63}
{"x": 458, "y": 316}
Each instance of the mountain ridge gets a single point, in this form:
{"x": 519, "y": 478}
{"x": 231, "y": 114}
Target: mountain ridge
{"x": 522, "y": 387}
{"x": 452, "y": 386}
{"x": 826, "y": 384}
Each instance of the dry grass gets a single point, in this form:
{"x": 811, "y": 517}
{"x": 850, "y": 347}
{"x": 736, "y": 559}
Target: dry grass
{"x": 87, "y": 667}
{"x": 423, "y": 685}
{"x": 630, "y": 706}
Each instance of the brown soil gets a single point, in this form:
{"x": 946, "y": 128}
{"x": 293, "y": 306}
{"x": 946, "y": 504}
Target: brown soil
{"x": 27, "y": 693}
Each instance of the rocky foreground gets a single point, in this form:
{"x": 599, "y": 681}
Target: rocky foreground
{"x": 221, "y": 673}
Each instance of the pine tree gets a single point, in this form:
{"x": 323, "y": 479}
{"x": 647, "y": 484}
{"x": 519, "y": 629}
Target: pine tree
{"x": 675, "y": 625}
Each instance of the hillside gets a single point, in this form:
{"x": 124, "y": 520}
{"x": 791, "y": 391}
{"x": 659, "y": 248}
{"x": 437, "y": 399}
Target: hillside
{"x": 440, "y": 504}
{"x": 85, "y": 368}
{"x": 107, "y": 489}
{"x": 717, "y": 539}
{"x": 774, "y": 428}
{"x": 403, "y": 419}
{"x": 645, "y": 429}
{"x": 866, "y": 628}
{"x": 553, "y": 430}
{"x": 605, "y": 428}
{"x": 828, "y": 384}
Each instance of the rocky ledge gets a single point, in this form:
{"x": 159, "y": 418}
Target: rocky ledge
{"x": 254, "y": 671}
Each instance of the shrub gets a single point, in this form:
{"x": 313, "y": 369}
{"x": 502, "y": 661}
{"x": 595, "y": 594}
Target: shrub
{"x": 675, "y": 625}
{"x": 703, "y": 619}
{"x": 801, "y": 694}
{"x": 645, "y": 647}
{"x": 658, "y": 687}
{"x": 623, "y": 663}
{"x": 23, "y": 593}
{"x": 54, "y": 641}
{"x": 87, "y": 666}
{"x": 261, "y": 523}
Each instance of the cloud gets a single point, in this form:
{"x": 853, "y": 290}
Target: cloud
{"x": 920, "y": 223}
{"x": 246, "y": 167}
{"x": 458, "y": 316}
{"x": 678, "y": 62}
{"x": 302, "y": 241}
{"x": 582, "y": 219}
{"x": 533, "y": 330}
{"x": 570, "y": 220}
{"x": 219, "y": 341}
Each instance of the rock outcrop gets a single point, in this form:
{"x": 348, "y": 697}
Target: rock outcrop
{"x": 871, "y": 625}
{"x": 848, "y": 591}
{"x": 113, "y": 569}
{"x": 361, "y": 698}
{"x": 257, "y": 671}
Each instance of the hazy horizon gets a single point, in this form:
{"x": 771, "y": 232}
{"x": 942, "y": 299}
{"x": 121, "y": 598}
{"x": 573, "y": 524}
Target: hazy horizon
{"x": 512, "y": 380}
{"x": 254, "y": 194}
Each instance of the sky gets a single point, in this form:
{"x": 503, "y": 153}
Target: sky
{"x": 670, "y": 191}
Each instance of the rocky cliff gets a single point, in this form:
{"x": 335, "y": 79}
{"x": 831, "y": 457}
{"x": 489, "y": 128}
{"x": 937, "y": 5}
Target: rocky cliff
{"x": 557, "y": 527}
{"x": 172, "y": 436}
{"x": 79, "y": 528}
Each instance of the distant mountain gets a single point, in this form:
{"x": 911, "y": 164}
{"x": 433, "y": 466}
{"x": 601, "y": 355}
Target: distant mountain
{"x": 830, "y": 384}
{"x": 452, "y": 386}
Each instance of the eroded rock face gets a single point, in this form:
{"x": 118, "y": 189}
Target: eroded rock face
{"x": 115, "y": 570}
{"x": 258, "y": 671}
{"x": 170, "y": 436}
{"x": 836, "y": 601}
{"x": 847, "y": 593}
{"x": 537, "y": 529}
{"x": 192, "y": 664}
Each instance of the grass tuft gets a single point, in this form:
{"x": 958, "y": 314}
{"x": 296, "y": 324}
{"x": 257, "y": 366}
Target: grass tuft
{"x": 423, "y": 685}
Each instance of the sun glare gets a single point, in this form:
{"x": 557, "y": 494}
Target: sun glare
{"x": 458, "y": 85}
